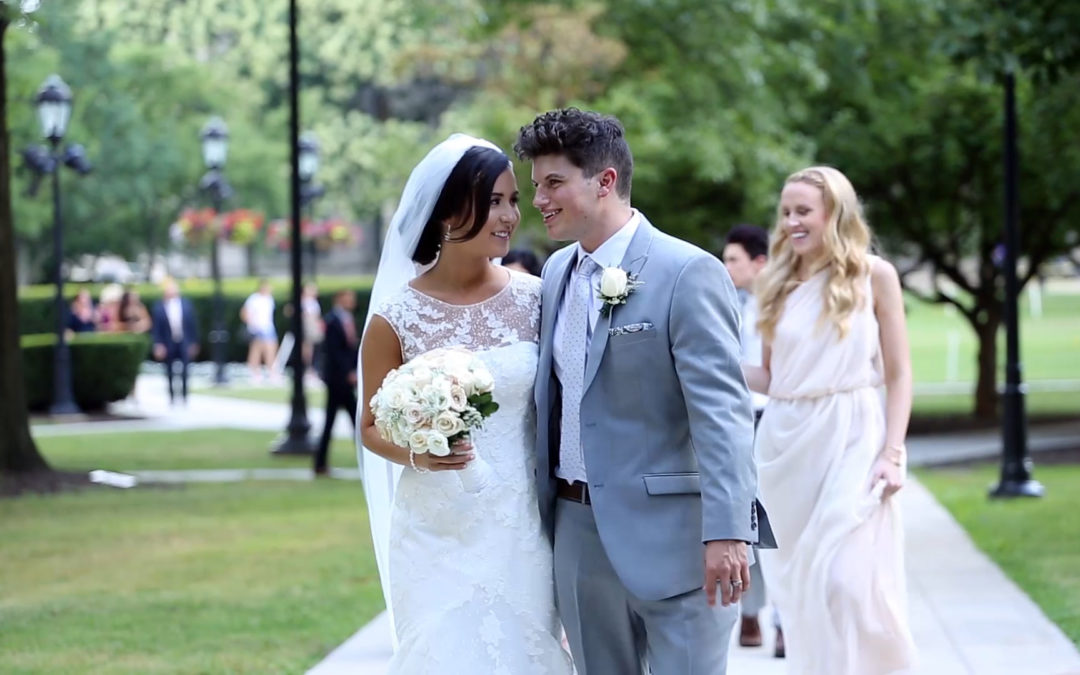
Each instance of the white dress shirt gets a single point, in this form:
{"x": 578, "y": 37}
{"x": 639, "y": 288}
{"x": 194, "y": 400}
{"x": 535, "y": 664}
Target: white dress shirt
{"x": 608, "y": 254}
{"x": 174, "y": 310}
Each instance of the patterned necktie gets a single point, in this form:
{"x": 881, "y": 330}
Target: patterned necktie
{"x": 576, "y": 337}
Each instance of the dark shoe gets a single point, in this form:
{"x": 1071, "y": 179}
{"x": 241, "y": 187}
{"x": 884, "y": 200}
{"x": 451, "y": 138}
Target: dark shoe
{"x": 778, "y": 651}
{"x": 322, "y": 472}
{"x": 750, "y": 632}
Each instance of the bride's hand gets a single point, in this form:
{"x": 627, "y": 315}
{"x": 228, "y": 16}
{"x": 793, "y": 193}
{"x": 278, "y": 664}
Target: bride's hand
{"x": 461, "y": 453}
{"x": 893, "y": 475}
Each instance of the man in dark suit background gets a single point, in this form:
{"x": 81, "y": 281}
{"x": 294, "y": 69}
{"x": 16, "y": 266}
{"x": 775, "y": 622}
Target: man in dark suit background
{"x": 176, "y": 335}
{"x": 340, "y": 345}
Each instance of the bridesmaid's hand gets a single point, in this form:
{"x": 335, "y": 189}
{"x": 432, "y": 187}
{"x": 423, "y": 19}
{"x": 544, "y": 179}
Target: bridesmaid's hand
{"x": 893, "y": 475}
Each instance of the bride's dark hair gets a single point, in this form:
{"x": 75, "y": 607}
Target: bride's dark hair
{"x": 465, "y": 196}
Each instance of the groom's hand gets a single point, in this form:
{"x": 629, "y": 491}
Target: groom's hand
{"x": 726, "y": 566}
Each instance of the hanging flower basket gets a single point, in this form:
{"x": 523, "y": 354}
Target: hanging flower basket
{"x": 241, "y": 226}
{"x": 325, "y": 234}
{"x": 197, "y": 226}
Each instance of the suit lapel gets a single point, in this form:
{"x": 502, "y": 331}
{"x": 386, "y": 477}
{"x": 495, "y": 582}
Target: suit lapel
{"x": 550, "y": 302}
{"x": 633, "y": 261}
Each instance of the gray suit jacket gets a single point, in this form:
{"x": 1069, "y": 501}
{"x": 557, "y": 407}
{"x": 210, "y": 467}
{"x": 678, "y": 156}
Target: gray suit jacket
{"x": 667, "y": 428}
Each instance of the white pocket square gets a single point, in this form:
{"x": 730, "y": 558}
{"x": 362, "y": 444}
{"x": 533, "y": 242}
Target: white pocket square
{"x": 630, "y": 328}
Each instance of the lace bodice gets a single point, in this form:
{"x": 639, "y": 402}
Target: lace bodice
{"x": 423, "y": 323}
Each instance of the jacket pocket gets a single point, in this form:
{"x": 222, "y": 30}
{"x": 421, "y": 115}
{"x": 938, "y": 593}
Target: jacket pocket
{"x": 672, "y": 483}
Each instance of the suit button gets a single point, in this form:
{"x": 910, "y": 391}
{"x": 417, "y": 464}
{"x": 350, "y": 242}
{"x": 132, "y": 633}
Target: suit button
{"x": 590, "y": 425}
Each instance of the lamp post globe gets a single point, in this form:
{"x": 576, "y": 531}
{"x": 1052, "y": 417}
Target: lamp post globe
{"x": 215, "y": 143}
{"x": 53, "y": 103}
{"x": 309, "y": 156}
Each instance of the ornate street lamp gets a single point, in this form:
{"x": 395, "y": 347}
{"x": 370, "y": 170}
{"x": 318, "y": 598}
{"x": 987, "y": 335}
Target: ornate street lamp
{"x": 1016, "y": 480}
{"x": 215, "y": 149}
{"x": 308, "y": 164}
{"x": 295, "y": 440}
{"x": 53, "y": 103}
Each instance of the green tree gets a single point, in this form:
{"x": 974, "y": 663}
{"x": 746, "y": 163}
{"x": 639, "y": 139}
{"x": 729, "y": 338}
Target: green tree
{"x": 921, "y": 138}
{"x": 18, "y": 453}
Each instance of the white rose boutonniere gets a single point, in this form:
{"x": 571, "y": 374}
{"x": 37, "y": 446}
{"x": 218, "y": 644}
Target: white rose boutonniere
{"x": 616, "y": 285}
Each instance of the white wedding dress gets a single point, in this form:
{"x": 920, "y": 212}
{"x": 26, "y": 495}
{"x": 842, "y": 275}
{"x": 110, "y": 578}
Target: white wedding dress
{"x": 471, "y": 574}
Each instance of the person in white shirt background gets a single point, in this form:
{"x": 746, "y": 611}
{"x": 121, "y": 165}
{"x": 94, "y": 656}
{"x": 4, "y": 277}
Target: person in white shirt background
{"x": 746, "y": 251}
{"x": 258, "y": 315}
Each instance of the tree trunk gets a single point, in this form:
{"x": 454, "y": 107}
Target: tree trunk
{"x": 986, "y": 396}
{"x": 18, "y": 454}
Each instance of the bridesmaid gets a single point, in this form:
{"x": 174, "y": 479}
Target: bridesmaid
{"x": 830, "y": 448}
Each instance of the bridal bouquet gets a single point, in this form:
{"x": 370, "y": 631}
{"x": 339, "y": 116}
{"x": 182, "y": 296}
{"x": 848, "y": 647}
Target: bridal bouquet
{"x": 433, "y": 401}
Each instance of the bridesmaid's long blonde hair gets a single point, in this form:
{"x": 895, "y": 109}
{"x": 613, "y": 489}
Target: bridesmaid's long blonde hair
{"x": 847, "y": 250}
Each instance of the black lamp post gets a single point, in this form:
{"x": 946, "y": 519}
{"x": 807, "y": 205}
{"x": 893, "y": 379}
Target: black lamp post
{"x": 309, "y": 191}
{"x": 1016, "y": 480}
{"x": 295, "y": 441}
{"x": 53, "y": 102}
{"x": 215, "y": 149}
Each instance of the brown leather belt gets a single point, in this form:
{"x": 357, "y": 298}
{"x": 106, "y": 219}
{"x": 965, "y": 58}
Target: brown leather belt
{"x": 575, "y": 492}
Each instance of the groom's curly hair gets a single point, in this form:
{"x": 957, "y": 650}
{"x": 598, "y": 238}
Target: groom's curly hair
{"x": 591, "y": 141}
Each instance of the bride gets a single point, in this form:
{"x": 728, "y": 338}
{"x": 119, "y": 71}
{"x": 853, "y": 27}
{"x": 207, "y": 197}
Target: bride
{"x": 467, "y": 577}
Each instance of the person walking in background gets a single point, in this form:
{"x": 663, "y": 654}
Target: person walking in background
{"x": 522, "y": 260}
{"x": 314, "y": 328}
{"x": 338, "y": 370}
{"x": 258, "y": 315}
{"x": 746, "y": 251}
{"x": 134, "y": 318}
{"x": 830, "y": 453}
{"x": 108, "y": 312}
{"x": 81, "y": 316}
{"x": 176, "y": 335}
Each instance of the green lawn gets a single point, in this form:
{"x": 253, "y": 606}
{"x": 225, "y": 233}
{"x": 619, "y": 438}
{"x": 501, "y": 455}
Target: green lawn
{"x": 1038, "y": 404}
{"x": 1049, "y": 345}
{"x": 199, "y": 449}
{"x": 316, "y": 396}
{"x": 236, "y": 578}
{"x": 1035, "y": 542}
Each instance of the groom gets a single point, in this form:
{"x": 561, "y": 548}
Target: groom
{"x": 646, "y": 476}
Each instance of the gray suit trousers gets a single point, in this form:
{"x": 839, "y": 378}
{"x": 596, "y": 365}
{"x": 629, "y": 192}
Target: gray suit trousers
{"x": 613, "y": 632}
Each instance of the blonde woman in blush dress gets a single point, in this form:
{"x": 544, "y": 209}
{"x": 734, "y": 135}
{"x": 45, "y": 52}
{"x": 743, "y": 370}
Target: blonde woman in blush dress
{"x": 831, "y": 452}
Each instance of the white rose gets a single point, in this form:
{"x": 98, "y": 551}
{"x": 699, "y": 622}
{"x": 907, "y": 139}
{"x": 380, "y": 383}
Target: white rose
{"x": 421, "y": 375}
{"x": 437, "y": 444}
{"x": 418, "y": 442}
{"x": 482, "y": 381}
{"x": 383, "y": 427}
{"x": 413, "y": 413}
{"x": 396, "y": 398}
{"x": 613, "y": 282}
{"x": 448, "y": 424}
{"x": 459, "y": 400}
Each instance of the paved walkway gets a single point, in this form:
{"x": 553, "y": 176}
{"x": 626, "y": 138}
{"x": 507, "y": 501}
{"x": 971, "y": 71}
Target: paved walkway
{"x": 968, "y": 618}
{"x": 149, "y": 410}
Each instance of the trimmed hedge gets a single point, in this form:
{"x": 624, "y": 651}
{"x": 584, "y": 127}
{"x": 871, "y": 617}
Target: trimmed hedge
{"x": 37, "y": 315}
{"x": 103, "y": 367}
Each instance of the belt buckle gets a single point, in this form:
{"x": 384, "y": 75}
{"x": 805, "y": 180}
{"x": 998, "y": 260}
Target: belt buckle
{"x": 584, "y": 498}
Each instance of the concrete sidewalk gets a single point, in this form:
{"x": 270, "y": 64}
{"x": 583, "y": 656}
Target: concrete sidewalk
{"x": 968, "y": 618}
{"x": 148, "y": 409}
